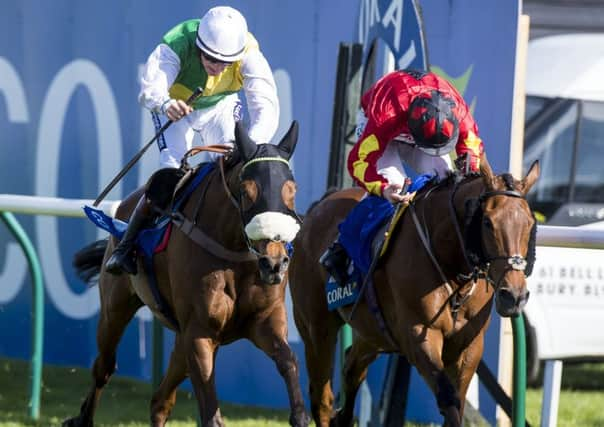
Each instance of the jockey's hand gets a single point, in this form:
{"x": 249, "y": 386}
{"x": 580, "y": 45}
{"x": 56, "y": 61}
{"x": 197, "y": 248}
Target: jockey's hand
{"x": 392, "y": 193}
{"x": 467, "y": 163}
{"x": 177, "y": 109}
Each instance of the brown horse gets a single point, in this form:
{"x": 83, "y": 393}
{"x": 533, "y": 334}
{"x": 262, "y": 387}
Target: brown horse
{"x": 226, "y": 285}
{"x": 460, "y": 242}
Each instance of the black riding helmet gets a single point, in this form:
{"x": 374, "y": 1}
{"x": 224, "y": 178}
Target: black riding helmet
{"x": 432, "y": 123}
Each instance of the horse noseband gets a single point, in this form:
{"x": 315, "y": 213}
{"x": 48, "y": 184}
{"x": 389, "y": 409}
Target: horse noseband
{"x": 517, "y": 262}
{"x": 514, "y": 262}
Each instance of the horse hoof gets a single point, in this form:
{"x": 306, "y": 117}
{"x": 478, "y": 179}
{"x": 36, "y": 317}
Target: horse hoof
{"x": 452, "y": 417}
{"x": 301, "y": 419}
{"x": 337, "y": 419}
{"x": 75, "y": 422}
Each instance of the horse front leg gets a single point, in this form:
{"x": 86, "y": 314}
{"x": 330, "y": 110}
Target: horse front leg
{"x": 464, "y": 366}
{"x": 357, "y": 360}
{"x": 164, "y": 398}
{"x": 425, "y": 352}
{"x": 118, "y": 306}
{"x": 270, "y": 336}
{"x": 201, "y": 354}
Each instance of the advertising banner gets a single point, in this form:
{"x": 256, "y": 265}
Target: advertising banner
{"x": 70, "y": 121}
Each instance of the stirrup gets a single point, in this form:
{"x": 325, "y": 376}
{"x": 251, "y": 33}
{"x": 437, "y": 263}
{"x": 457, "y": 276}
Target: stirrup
{"x": 335, "y": 261}
{"x": 122, "y": 260}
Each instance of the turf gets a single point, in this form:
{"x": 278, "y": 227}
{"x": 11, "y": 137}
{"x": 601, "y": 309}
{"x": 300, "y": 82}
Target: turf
{"x": 125, "y": 401}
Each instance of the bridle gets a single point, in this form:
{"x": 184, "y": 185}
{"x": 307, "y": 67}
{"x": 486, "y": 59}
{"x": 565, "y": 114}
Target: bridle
{"x": 236, "y": 201}
{"x": 479, "y": 268}
{"x": 195, "y": 233}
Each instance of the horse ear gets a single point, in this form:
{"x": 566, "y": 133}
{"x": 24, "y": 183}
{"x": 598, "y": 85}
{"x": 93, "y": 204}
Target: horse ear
{"x": 289, "y": 141}
{"x": 531, "y": 177}
{"x": 244, "y": 144}
{"x": 487, "y": 172}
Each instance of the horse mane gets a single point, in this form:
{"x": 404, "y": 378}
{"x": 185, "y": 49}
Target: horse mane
{"x": 453, "y": 177}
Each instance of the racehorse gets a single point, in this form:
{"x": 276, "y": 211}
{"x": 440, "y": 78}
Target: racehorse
{"x": 459, "y": 243}
{"x": 227, "y": 285}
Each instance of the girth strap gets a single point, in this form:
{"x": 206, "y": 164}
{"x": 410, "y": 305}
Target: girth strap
{"x": 206, "y": 242}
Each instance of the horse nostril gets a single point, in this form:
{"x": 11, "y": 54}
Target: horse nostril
{"x": 285, "y": 261}
{"x": 523, "y": 299}
{"x": 264, "y": 263}
{"x": 506, "y": 297}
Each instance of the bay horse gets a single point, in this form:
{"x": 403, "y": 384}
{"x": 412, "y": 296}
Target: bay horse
{"x": 459, "y": 243}
{"x": 226, "y": 286}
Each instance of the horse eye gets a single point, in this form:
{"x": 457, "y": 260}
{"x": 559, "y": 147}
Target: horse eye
{"x": 487, "y": 223}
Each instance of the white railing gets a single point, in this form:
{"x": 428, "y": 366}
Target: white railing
{"x": 570, "y": 237}
{"x": 556, "y": 236}
{"x": 54, "y": 206}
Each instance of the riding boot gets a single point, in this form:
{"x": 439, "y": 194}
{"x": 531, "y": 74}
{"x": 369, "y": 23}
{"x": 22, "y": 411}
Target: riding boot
{"x": 122, "y": 259}
{"x": 335, "y": 260}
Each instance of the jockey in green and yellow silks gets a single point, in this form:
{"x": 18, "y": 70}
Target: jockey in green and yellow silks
{"x": 218, "y": 54}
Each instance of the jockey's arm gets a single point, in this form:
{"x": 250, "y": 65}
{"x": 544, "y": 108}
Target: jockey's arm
{"x": 469, "y": 145}
{"x": 261, "y": 95}
{"x": 158, "y": 75}
{"x": 382, "y": 126}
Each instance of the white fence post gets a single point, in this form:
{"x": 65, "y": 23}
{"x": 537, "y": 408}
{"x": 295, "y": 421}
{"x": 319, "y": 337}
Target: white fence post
{"x": 551, "y": 393}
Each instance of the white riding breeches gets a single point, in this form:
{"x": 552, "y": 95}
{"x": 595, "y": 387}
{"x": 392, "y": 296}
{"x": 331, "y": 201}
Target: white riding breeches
{"x": 214, "y": 125}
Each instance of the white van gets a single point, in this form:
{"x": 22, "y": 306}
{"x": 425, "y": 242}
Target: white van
{"x": 564, "y": 129}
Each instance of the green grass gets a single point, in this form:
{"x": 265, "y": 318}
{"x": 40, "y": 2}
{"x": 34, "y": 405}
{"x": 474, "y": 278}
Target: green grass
{"x": 125, "y": 401}
{"x": 581, "y": 398}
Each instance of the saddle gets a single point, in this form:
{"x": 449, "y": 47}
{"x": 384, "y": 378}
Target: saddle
{"x": 365, "y": 235}
{"x": 168, "y": 189}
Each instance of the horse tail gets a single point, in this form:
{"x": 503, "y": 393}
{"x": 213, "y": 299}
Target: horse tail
{"x": 88, "y": 260}
{"x": 328, "y": 192}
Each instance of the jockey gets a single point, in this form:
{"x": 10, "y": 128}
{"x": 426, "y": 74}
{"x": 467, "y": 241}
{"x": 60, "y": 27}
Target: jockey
{"x": 218, "y": 54}
{"x": 411, "y": 116}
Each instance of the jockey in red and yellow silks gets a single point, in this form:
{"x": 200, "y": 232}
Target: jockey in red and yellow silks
{"x": 417, "y": 108}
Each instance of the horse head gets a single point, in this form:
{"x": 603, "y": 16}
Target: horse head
{"x": 266, "y": 201}
{"x": 507, "y": 229}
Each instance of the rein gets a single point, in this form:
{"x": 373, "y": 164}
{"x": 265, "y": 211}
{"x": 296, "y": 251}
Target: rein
{"x": 477, "y": 271}
{"x": 514, "y": 262}
{"x": 482, "y": 268}
{"x": 192, "y": 230}
{"x": 196, "y": 234}
{"x": 456, "y": 300}
{"x": 237, "y": 203}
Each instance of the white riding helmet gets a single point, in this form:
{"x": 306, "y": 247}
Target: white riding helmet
{"x": 222, "y": 33}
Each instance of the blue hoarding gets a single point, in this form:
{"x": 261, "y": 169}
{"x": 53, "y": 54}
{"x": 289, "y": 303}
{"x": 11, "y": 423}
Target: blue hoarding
{"x": 70, "y": 121}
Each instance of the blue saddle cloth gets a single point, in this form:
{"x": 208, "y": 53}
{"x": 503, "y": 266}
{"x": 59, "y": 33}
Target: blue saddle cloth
{"x": 148, "y": 239}
{"x": 357, "y": 232}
